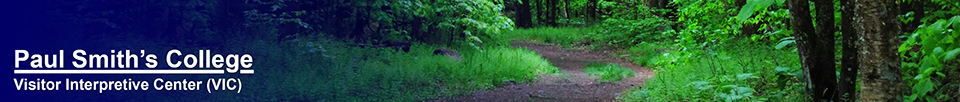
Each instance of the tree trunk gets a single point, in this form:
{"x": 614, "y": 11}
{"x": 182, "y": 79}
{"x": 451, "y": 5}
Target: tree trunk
{"x": 878, "y": 25}
{"x": 824, "y": 51}
{"x": 918, "y": 13}
{"x": 524, "y": 19}
{"x": 591, "y": 9}
{"x": 848, "y": 61}
{"x": 815, "y": 49}
{"x": 540, "y": 12}
{"x": 565, "y": 15}
{"x": 551, "y": 13}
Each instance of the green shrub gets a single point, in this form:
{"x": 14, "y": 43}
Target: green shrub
{"x": 624, "y": 33}
{"x": 737, "y": 71}
{"x": 646, "y": 54}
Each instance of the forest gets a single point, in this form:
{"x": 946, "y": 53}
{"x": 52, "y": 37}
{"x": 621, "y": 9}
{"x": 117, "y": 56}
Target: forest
{"x": 549, "y": 50}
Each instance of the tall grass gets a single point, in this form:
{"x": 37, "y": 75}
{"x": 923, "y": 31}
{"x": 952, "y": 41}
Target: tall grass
{"x": 326, "y": 70}
{"x": 562, "y": 36}
{"x": 646, "y": 53}
{"x": 736, "y": 71}
{"x": 608, "y": 72}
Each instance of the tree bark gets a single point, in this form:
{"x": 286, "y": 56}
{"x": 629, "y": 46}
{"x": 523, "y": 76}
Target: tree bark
{"x": 824, "y": 51}
{"x": 848, "y": 60}
{"x": 878, "y": 25}
{"x": 815, "y": 49}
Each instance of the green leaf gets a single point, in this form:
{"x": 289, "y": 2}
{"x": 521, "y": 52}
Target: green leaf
{"x": 937, "y": 27}
{"x": 746, "y": 76}
{"x": 910, "y": 98}
{"x": 938, "y": 50}
{"x": 781, "y": 69}
{"x": 956, "y": 22}
{"x": 763, "y": 4}
{"x": 746, "y": 11}
{"x": 780, "y": 2}
{"x": 784, "y": 43}
{"x": 951, "y": 55}
{"x": 923, "y": 87}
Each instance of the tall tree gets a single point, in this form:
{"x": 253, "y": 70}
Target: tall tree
{"x": 823, "y": 47}
{"x": 878, "y": 26}
{"x": 524, "y": 19}
{"x": 551, "y": 12}
{"x": 591, "y": 9}
{"x": 848, "y": 60}
{"x": 815, "y": 49}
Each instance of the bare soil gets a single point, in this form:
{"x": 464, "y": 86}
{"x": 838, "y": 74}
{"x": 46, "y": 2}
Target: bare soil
{"x": 571, "y": 85}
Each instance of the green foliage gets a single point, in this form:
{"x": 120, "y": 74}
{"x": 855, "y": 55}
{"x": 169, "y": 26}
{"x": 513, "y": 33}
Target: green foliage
{"x": 709, "y": 22}
{"x": 629, "y": 24}
{"x": 620, "y": 32}
{"x": 647, "y": 54}
{"x": 770, "y": 22}
{"x": 478, "y": 20}
{"x": 563, "y": 36}
{"x": 737, "y": 72}
{"x": 446, "y": 22}
{"x": 753, "y": 6}
{"x": 938, "y": 49}
{"x": 608, "y": 72}
{"x": 785, "y": 42}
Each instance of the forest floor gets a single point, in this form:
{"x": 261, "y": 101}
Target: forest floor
{"x": 571, "y": 85}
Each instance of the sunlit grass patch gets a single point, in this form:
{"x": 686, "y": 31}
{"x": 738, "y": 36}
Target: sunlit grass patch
{"x": 499, "y": 64}
{"x": 562, "y": 36}
{"x": 608, "y": 72}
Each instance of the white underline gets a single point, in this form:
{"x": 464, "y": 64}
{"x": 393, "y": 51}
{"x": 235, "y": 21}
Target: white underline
{"x": 213, "y": 71}
{"x": 246, "y": 71}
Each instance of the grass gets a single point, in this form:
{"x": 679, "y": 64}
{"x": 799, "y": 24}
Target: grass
{"x": 337, "y": 72}
{"x": 645, "y": 54}
{"x": 737, "y": 71}
{"x": 608, "y": 72}
{"x": 563, "y": 36}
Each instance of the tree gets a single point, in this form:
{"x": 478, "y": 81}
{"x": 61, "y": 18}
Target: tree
{"x": 524, "y": 19}
{"x": 823, "y": 48}
{"x": 591, "y": 9}
{"x": 551, "y": 12}
{"x": 815, "y": 48}
{"x": 848, "y": 60}
{"x": 878, "y": 25}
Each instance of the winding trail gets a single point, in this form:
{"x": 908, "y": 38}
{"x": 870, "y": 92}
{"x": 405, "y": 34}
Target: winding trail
{"x": 571, "y": 85}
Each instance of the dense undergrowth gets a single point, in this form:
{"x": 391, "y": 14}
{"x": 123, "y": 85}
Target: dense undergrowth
{"x": 733, "y": 72}
{"x": 564, "y": 36}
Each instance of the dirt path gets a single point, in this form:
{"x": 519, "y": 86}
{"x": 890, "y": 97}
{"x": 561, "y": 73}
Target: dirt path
{"x": 572, "y": 85}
